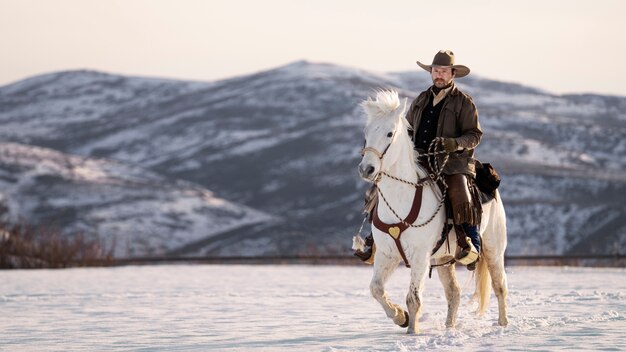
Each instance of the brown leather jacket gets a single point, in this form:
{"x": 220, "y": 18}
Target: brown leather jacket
{"x": 458, "y": 120}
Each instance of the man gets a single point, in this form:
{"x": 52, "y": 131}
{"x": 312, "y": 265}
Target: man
{"x": 444, "y": 111}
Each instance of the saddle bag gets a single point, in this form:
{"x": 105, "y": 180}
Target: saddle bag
{"x": 487, "y": 178}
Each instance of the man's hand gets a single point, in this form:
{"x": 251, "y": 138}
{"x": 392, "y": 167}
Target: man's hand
{"x": 450, "y": 145}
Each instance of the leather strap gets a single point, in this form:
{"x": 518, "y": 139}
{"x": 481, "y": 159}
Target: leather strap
{"x": 442, "y": 239}
{"x": 397, "y": 229}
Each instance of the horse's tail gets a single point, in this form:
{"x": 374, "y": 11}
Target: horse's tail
{"x": 496, "y": 233}
{"x": 483, "y": 285}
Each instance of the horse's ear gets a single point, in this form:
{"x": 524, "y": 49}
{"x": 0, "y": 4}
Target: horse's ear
{"x": 403, "y": 111}
{"x": 403, "y": 114}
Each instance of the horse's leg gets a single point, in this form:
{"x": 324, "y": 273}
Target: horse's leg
{"x": 495, "y": 263}
{"x": 414, "y": 297}
{"x": 383, "y": 268}
{"x": 447, "y": 276}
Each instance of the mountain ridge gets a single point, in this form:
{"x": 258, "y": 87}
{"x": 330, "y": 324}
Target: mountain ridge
{"x": 285, "y": 141}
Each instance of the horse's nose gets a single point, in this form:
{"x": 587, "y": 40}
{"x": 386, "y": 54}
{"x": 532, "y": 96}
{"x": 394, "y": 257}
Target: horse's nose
{"x": 366, "y": 170}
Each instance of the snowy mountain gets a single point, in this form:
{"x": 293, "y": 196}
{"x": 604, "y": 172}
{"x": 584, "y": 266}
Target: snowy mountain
{"x": 285, "y": 142}
{"x": 135, "y": 210}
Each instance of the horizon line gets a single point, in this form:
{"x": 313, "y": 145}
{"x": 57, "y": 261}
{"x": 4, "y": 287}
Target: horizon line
{"x": 291, "y": 63}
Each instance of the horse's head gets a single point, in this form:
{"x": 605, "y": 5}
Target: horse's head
{"x": 385, "y": 123}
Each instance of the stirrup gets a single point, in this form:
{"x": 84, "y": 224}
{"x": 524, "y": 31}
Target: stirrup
{"x": 468, "y": 255}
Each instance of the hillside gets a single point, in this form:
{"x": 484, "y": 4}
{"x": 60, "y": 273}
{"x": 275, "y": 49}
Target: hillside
{"x": 135, "y": 211}
{"x": 285, "y": 142}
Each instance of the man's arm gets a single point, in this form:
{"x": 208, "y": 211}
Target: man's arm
{"x": 470, "y": 127}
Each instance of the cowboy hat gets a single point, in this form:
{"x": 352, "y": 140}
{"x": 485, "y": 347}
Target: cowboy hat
{"x": 445, "y": 58}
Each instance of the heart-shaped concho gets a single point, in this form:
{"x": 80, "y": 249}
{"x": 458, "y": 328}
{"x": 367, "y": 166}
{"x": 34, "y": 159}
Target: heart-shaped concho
{"x": 394, "y": 232}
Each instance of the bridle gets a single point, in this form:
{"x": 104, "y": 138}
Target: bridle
{"x": 378, "y": 154}
{"x": 375, "y": 151}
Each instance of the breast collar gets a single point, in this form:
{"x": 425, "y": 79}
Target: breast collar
{"x": 396, "y": 230}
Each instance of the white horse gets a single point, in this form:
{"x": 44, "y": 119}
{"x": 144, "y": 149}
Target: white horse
{"x": 389, "y": 149}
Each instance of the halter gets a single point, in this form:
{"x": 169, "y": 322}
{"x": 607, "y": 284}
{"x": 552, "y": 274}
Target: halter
{"x": 375, "y": 151}
{"x": 378, "y": 154}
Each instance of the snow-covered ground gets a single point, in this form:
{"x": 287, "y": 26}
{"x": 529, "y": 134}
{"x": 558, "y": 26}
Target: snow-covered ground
{"x": 297, "y": 308}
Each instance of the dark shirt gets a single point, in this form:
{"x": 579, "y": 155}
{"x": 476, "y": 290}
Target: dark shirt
{"x": 427, "y": 130}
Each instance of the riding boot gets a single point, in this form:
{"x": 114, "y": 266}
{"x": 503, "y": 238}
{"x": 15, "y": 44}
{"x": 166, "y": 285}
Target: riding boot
{"x": 472, "y": 233}
{"x": 466, "y": 217}
{"x": 371, "y": 200}
{"x": 469, "y": 253}
{"x": 367, "y": 254}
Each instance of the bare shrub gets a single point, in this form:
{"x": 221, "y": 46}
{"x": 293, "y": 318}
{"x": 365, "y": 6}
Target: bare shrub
{"x": 26, "y": 246}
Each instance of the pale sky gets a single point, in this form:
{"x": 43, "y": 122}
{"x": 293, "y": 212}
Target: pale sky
{"x": 562, "y": 46}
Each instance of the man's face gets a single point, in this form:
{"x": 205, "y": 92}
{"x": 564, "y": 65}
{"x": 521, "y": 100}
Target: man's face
{"x": 442, "y": 76}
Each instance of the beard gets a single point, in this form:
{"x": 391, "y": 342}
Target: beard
{"x": 440, "y": 83}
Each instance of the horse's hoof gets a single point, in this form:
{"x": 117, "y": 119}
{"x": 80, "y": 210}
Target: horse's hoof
{"x": 503, "y": 322}
{"x": 406, "y": 320}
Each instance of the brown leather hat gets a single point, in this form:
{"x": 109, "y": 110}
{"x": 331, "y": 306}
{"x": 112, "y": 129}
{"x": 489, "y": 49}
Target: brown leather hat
{"x": 445, "y": 58}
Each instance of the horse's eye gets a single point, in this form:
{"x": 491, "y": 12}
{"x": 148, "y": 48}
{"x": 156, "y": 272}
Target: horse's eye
{"x": 389, "y": 134}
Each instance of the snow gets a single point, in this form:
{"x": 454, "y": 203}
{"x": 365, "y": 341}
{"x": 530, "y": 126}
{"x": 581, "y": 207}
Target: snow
{"x": 135, "y": 211}
{"x": 567, "y": 108}
{"x": 330, "y": 72}
{"x": 518, "y": 100}
{"x": 297, "y": 308}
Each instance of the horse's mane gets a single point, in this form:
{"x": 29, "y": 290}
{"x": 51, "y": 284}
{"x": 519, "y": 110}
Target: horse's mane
{"x": 387, "y": 100}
